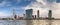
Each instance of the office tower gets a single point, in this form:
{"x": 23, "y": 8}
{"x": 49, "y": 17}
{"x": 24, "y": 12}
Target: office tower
{"x": 50, "y": 14}
{"x": 29, "y": 13}
{"x": 38, "y": 13}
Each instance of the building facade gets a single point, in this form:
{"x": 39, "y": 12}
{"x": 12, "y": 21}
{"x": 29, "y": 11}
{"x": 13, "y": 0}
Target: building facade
{"x": 29, "y": 13}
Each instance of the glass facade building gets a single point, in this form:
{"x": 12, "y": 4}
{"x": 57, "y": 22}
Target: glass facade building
{"x": 29, "y": 13}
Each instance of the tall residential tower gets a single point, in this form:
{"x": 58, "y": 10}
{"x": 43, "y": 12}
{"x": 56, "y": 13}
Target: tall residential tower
{"x": 50, "y": 14}
{"x": 38, "y": 13}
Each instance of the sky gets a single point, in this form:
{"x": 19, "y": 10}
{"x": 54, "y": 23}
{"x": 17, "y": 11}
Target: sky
{"x": 7, "y": 6}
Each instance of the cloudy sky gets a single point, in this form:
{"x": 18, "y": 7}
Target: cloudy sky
{"x": 7, "y": 6}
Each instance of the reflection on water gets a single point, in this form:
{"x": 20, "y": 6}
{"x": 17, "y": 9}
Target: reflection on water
{"x": 16, "y": 22}
{"x": 29, "y": 22}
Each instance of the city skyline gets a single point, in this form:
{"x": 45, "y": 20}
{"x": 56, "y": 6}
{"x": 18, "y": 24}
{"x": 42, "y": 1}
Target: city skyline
{"x": 7, "y": 6}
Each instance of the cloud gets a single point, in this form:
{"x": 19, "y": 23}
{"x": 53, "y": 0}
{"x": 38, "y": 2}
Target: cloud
{"x": 13, "y": 4}
{"x": 2, "y": 4}
{"x": 3, "y": 14}
{"x": 44, "y": 6}
{"x": 55, "y": 6}
{"x": 56, "y": 13}
{"x": 18, "y": 1}
{"x": 5, "y": 4}
{"x": 38, "y": 5}
{"x": 9, "y": 3}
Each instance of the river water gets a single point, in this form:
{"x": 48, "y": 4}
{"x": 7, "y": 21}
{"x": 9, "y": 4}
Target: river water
{"x": 24, "y": 22}
{"x": 13, "y": 22}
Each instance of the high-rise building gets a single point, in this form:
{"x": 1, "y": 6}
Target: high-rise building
{"x": 38, "y": 13}
{"x": 50, "y": 14}
{"x": 29, "y": 13}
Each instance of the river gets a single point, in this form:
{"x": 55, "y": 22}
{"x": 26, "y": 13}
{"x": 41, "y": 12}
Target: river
{"x": 24, "y": 22}
{"x": 12, "y": 22}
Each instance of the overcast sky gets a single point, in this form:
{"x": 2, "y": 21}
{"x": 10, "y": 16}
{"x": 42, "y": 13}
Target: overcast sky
{"x": 7, "y": 6}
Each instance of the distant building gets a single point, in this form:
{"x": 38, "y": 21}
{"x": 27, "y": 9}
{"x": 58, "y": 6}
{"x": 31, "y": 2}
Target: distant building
{"x": 50, "y": 14}
{"x": 24, "y": 15}
{"x": 29, "y": 13}
{"x": 20, "y": 18}
{"x": 34, "y": 16}
{"x": 15, "y": 16}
